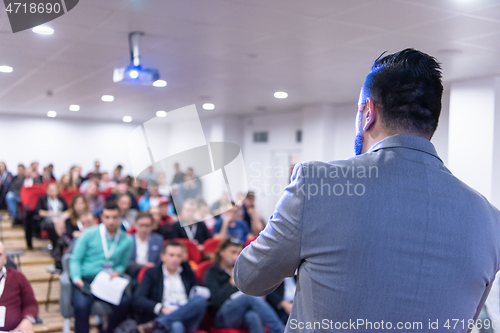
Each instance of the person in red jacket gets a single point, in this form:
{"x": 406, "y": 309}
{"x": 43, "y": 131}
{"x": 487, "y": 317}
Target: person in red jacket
{"x": 18, "y": 306}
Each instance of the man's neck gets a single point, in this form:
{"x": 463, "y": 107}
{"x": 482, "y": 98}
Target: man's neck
{"x": 169, "y": 271}
{"x": 143, "y": 238}
{"x": 226, "y": 267}
{"x": 111, "y": 234}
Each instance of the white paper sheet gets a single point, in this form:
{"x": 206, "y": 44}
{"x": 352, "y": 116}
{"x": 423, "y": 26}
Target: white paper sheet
{"x": 108, "y": 290}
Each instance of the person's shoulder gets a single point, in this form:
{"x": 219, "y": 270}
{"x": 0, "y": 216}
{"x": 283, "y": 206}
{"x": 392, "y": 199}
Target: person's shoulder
{"x": 156, "y": 237}
{"x": 16, "y": 275}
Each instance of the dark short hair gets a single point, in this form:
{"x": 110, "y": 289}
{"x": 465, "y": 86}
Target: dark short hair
{"x": 407, "y": 88}
{"x": 110, "y": 205}
{"x": 227, "y": 242}
{"x": 144, "y": 214}
{"x": 171, "y": 243}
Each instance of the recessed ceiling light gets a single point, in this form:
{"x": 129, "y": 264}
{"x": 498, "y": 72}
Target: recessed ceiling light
{"x": 51, "y": 114}
{"x": 280, "y": 94}
{"x": 160, "y": 83}
{"x": 42, "y": 30}
{"x": 107, "y": 98}
{"x": 6, "y": 69}
{"x": 161, "y": 113}
{"x": 208, "y": 106}
{"x": 74, "y": 107}
{"x": 127, "y": 119}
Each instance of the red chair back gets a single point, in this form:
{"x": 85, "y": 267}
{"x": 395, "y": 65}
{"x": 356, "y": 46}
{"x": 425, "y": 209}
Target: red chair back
{"x": 211, "y": 245}
{"x": 30, "y": 195}
{"x": 105, "y": 193}
{"x": 193, "y": 252}
{"x": 68, "y": 195}
{"x": 202, "y": 268}
{"x": 249, "y": 240}
{"x": 140, "y": 275}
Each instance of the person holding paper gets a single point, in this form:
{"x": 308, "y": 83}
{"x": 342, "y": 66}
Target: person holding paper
{"x": 168, "y": 296}
{"x": 18, "y": 306}
{"x": 103, "y": 247}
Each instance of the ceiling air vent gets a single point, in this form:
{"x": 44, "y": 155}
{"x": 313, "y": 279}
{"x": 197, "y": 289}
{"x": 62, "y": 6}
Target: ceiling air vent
{"x": 259, "y": 136}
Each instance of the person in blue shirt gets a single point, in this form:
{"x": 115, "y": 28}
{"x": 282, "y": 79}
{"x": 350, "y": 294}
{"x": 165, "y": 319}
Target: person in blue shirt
{"x": 230, "y": 226}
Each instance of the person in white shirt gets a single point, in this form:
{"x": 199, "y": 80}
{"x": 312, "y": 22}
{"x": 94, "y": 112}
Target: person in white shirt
{"x": 168, "y": 298}
{"x": 147, "y": 245}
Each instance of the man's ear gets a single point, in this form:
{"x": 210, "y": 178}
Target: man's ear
{"x": 371, "y": 114}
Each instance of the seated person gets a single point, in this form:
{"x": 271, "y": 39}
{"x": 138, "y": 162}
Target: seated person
{"x": 203, "y": 214}
{"x": 251, "y": 215}
{"x": 162, "y": 298}
{"x": 150, "y": 199}
{"x": 147, "y": 245}
{"x": 127, "y": 214}
{"x": 20, "y": 307}
{"x": 122, "y": 188}
{"x": 166, "y": 229}
{"x": 49, "y": 209}
{"x": 230, "y": 226}
{"x": 101, "y": 247}
{"x": 195, "y": 232}
{"x": 230, "y": 307}
{"x": 282, "y": 298}
{"x": 95, "y": 201}
{"x": 87, "y": 220}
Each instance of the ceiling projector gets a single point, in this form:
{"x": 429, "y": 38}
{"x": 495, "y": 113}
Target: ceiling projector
{"x": 135, "y": 73}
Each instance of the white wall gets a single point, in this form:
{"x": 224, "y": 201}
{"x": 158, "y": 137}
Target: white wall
{"x": 64, "y": 143}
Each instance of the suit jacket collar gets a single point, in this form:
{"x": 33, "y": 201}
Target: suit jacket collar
{"x": 406, "y": 141}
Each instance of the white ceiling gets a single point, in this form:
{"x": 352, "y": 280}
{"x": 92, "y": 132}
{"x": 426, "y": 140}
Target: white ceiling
{"x": 235, "y": 53}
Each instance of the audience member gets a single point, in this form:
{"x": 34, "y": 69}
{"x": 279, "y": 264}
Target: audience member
{"x": 51, "y": 170}
{"x": 163, "y": 297}
{"x": 94, "y": 178}
{"x": 230, "y": 226}
{"x": 17, "y": 301}
{"x": 163, "y": 187}
{"x": 195, "y": 232}
{"x": 221, "y": 206}
{"x": 147, "y": 245}
{"x": 102, "y": 247}
{"x": 34, "y": 172}
{"x": 95, "y": 201}
{"x": 230, "y": 307}
{"x": 65, "y": 183}
{"x": 188, "y": 189}
{"x": 87, "y": 220}
{"x": 77, "y": 208}
{"x": 106, "y": 183}
{"x": 196, "y": 179}
{"x": 251, "y": 215}
{"x": 49, "y": 211}
{"x": 117, "y": 174}
{"x": 47, "y": 175}
{"x": 5, "y": 179}
{"x": 76, "y": 175}
{"x": 122, "y": 188}
{"x": 203, "y": 214}
{"x": 127, "y": 214}
{"x": 179, "y": 175}
{"x": 165, "y": 229}
{"x": 97, "y": 169}
{"x": 282, "y": 298}
{"x": 152, "y": 199}
{"x": 13, "y": 196}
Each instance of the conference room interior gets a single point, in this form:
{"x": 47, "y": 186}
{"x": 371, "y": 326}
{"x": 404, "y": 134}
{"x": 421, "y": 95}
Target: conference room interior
{"x": 277, "y": 80}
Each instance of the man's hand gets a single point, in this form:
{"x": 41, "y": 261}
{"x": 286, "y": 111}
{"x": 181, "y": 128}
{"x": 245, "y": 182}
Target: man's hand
{"x": 79, "y": 283}
{"x": 287, "y": 306}
{"x": 25, "y": 326}
{"x": 113, "y": 275}
{"x": 166, "y": 310}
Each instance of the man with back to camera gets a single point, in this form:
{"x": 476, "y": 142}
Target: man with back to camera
{"x": 416, "y": 250}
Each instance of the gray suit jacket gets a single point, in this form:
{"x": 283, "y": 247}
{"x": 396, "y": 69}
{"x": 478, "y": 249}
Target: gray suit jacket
{"x": 390, "y": 235}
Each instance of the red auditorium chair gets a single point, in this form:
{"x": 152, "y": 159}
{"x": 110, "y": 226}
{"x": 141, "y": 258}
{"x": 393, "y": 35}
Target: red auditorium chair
{"x": 193, "y": 252}
{"x": 202, "y": 268}
{"x": 249, "y": 240}
{"x": 141, "y": 273}
{"x": 30, "y": 195}
{"x": 68, "y": 195}
{"x": 211, "y": 245}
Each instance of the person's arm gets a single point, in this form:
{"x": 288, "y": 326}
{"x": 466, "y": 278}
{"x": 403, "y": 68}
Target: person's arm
{"x": 275, "y": 254}
{"x": 141, "y": 302}
{"x": 77, "y": 255}
{"x": 255, "y": 221}
{"x": 29, "y": 304}
{"x": 222, "y": 233}
{"x": 219, "y": 290}
{"x": 276, "y": 297}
